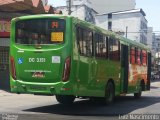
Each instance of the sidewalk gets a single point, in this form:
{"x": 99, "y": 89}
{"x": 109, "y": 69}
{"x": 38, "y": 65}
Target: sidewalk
{"x": 5, "y": 93}
{"x": 155, "y": 83}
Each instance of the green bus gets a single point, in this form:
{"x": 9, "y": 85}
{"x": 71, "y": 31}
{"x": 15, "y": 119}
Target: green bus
{"x": 70, "y": 58}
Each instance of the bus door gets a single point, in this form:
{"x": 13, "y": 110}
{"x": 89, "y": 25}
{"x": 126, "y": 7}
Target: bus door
{"x": 124, "y": 67}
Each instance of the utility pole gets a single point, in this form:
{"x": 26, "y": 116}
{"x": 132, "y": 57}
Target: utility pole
{"x": 69, "y": 6}
{"x": 126, "y": 31}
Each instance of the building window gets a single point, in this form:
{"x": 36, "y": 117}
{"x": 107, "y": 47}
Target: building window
{"x": 110, "y": 16}
{"x": 158, "y": 39}
{"x": 157, "y": 50}
{"x": 4, "y": 59}
{"x": 109, "y": 25}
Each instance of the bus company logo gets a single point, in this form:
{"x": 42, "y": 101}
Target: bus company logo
{"x": 20, "y": 60}
{"x": 38, "y": 75}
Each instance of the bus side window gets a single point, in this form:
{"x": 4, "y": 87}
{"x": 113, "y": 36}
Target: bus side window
{"x": 87, "y": 35}
{"x": 114, "y": 49}
{"x": 80, "y": 40}
{"x": 84, "y": 41}
{"x": 144, "y": 57}
{"x": 101, "y": 46}
{"x": 138, "y": 56}
{"x": 132, "y": 55}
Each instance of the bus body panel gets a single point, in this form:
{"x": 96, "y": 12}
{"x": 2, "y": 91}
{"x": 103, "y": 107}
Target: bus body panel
{"x": 48, "y": 70}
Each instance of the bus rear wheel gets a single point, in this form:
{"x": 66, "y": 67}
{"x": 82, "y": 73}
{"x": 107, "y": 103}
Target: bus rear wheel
{"x": 109, "y": 93}
{"x": 65, "y": 99}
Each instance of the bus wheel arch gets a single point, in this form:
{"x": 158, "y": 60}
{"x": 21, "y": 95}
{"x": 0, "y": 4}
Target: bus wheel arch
{"x": 109, "y": 92}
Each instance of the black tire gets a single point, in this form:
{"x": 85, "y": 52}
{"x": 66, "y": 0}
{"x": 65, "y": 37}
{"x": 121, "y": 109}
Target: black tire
{"x": 65, "y": 99}
{"x": 139, "y": 93}
{"x": 109, "y": 93}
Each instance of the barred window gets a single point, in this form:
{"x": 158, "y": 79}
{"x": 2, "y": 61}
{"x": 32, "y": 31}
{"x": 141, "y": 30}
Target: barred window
{"x": 4, "y": 57}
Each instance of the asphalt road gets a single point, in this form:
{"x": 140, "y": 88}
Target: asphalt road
{"x": 31, "y": 107}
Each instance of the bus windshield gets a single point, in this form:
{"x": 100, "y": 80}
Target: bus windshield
{"x": 40, "y": 31}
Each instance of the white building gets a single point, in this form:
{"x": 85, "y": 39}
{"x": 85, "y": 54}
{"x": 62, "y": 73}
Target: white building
{"x": 45, "y": 2}
{"x": 81, "y": 11}
{"x": 156, "y": 44}
{"x": 108, "y": 6}
{"x": 132, "y": 24}
{"x": 82, "y": 2}
{"x": 128, "y": 21}
{"x": 156, "y": 49}
{"x": 150, "y": 37}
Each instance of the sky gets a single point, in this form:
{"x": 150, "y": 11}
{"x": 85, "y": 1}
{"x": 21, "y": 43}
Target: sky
{"x": 150, "y": 7}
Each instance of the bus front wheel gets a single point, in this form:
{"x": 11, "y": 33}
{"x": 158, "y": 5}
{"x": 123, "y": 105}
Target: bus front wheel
{"x": 109, "y": 93}
{"x": 65, "y": 99}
